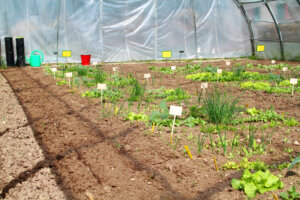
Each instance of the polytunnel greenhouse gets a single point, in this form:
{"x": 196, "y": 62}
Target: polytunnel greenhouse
{"x": 149, "y": 99}
{"x": 142, "y": 29}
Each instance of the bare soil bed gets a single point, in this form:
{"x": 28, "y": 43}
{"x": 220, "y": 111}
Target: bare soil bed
{"x": 109, "y": 158}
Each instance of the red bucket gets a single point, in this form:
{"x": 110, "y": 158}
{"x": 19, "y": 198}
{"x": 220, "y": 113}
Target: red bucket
{"x": 85, "y": 59}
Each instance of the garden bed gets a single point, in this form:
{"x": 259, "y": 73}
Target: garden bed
{"x": 94, "y": 151}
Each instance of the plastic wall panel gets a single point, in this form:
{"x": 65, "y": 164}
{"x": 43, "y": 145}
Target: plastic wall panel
{"x": 121, "y": 30}
{"x": 271, "y": 50}
{"x": 175, "y": 28}
{"x": 287, "y": 14}
{"x": 79, "y": 28}
{"x": 265, "y": 31}
{"x": 41, "y": 27}
{"x": 223, "y": 20}
{"x": 128, "y": 30}
{"x": 292, "y": 51}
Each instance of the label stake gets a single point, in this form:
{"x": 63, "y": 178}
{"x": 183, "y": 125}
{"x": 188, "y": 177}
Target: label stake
{"x": 188, "y": 151}
{"x": 216, "y": 166}
{"x": 153, "y": 127}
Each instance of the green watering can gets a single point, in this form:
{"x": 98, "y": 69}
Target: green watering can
{"x": 35, "y": 60}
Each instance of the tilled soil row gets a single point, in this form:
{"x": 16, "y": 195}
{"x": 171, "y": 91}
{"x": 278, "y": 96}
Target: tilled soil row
{"x": 109, "y": 158}
{"x": 83, "y": 149}
{"x": 84, "y": 158}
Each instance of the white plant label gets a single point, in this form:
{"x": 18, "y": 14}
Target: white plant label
{"x": 204, "y": 85}
{"x": 101, "y": 86}
{"x": 228, "y": 63}
{"x": 176, "y": 110}
{"x": 198, "y": 50}
{"x": 293, "y": 81}
{"x": 173, "y": 68}
{"x": 115, "y": 69}
{"x": 53, "y": 69}
{"x": 147, "y": 76}
{"x": 95, "y": 63}
{"x": 285, "y": 69}
{"x": 273, "y": 61}
{"x": 219, "y": 71}
{"x": 69, "y": 74}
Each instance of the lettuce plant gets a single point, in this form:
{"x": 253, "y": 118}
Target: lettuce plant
{"x": 258, "y": 182}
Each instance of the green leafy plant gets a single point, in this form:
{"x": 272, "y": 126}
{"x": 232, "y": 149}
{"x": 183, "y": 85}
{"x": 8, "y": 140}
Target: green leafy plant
{"x": 291, "y": 194}
{"x": 137, "y": 92}
{"x": 220, "y": 108}
{"x": 258, "y": 182}
{"x": 295, "y": 161}
{"x": 100, "y": 76}
{"x": 137, "y": 117}
{"x": 176, "y": 94}
{"x": 158, "y": 116}
{"x": 275, "y": 78}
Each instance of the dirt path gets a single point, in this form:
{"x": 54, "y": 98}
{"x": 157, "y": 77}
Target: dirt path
{"x": 24, "y": 173}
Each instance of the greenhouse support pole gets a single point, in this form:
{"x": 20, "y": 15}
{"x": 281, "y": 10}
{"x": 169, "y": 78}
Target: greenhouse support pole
{"x": 101, "y": 30}
{"x": 57, "y": 34}
{"x": 155, "y": 29}
{"x": 195, "y": 29}
{"x": 277, "y": 29}
{"x": 241, "y": 7}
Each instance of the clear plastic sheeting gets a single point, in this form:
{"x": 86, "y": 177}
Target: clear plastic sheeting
{"x": 127, "y": 30}
{"x": 124, "y": 30}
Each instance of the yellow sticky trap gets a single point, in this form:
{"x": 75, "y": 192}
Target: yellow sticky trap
{"x": 166, "y": 54}
{"x": 109, "y": 106}
{"x": 66, "y": 53}
{"x": 116, "y": 110}
{"x": 216, "y": 166}
{"x": 260, "y": 48}
{"x": 153, "y": 127}
{"x": 188, "y": 151}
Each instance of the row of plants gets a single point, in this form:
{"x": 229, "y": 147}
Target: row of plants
{"x": 282, "y": 87}
{"x": 227, "y": 126}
